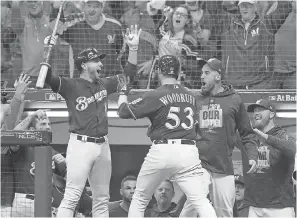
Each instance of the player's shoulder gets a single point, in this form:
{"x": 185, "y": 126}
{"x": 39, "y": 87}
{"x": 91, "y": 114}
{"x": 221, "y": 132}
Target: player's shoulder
{"x": 199, "y": 95}
{"x": 157, "y": 92}
{"x": 146, "y": 97}
{"x": 112, "y": 21}
{"x": 69, "y": 80}
{"x": 236, "y": 96}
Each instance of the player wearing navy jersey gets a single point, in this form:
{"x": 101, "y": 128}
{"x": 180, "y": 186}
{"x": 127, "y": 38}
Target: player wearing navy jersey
{"x": 88, "y": 153}
{"x": 173, "y": 154}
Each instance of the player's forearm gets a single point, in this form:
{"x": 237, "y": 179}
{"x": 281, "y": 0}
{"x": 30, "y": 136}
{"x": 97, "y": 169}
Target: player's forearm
{"x": 287, "y": 146}
{"x": 16, "y": 106}
{"x": 251, "y": 147}
{"x": 247, "y": 135}
{"x": 132, "y": 58}
{"x": 52, "y": 81}
{"x": 125, "y": 112}
{"x": 122, "y": 99}
{"x": 130, "y": 69}
{"x": 24, "y": 125}
{"x": 60, "y": 164}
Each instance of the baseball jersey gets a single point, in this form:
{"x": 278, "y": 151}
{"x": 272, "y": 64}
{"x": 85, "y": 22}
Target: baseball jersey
{"x": 171, "y": 110}
{"x": 24, "y": 170}
{"x": 87, "y": 104}
{"x": 108, "y": 39}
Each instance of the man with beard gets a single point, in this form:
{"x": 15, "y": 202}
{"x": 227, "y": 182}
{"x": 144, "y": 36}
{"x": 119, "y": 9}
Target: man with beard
{"x": 88, "y": 153}
{"x": 121, "y": 208}
{"x": 221, "y": 115}
{"x": 164, "y": 206}
{"x": 99, "y": 31}
{"x": 269, "y": 192}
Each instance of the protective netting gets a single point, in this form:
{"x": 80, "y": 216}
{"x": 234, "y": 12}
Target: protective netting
{"x": 255, "y": 42}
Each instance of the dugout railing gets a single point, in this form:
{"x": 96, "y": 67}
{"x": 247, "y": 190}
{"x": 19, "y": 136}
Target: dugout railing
{"x": 43, "y": 165}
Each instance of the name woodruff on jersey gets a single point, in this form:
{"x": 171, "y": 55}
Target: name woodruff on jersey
{"x": 177, "y": 98}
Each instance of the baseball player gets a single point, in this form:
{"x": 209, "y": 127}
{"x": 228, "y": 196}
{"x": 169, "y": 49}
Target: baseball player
{"x": 221, "y": 114}
{"x": 171, "y": 110}
{"x": 88, "y": 152}
{"x": 269, "y": 192}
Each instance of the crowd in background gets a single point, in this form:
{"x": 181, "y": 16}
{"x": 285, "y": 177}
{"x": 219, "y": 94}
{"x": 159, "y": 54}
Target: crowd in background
{"x": 256, "y": 43}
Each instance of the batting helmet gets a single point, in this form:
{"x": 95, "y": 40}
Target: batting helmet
{"x": 169, "y": 65}
{"x": 89, "y": 54}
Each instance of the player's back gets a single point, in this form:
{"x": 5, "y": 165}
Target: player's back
{"x": 175, "y": 116}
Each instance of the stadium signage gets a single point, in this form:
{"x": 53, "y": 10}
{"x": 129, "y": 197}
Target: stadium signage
{"x": 53, "y": 97}
{"x": 283, "y": 97}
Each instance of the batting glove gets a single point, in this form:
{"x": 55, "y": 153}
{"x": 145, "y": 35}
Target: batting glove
{"x": 123, "y": 85}
{"x": 49, "y": 40}
{"x": 132, "y": 37}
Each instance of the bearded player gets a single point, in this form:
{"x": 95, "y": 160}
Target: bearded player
{"x": 88, "y": 153}
{"x": 222, "y": 115}
{"x": 171, "y": 110}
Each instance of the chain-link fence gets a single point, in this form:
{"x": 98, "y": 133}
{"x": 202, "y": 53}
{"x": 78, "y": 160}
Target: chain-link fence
{"x": 255, "y": 42}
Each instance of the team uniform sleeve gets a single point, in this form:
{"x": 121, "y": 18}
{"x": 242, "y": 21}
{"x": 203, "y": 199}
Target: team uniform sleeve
{"x": 246, "y": 132}
{"x": 59, "y": 84}
{"x": 139, "y": 108}
{"x": 285, "y": 144}
{"x": 111, "y": 83}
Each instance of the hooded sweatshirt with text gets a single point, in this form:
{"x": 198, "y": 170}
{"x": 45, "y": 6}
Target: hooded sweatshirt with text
{"x": 271, "y": 186}
{"x": 221, "y": 117}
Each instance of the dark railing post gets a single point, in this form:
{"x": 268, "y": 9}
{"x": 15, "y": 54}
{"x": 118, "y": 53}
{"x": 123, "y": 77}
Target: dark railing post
{"x": 43, "y": 181}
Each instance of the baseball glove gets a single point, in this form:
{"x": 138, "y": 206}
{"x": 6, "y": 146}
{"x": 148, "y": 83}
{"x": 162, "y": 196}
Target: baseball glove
{"x": 123, "y": 84}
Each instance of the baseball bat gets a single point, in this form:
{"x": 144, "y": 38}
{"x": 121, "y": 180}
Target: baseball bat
{"x": 151, "y": 72}
{"x": 45, "y": 65}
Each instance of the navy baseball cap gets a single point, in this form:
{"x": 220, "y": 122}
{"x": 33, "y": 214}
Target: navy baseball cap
{"x": 214, "y": 63}
{"x": 89, "y": 54}
{"x": 264, "y": 103}
{"x": 239, "y": 179}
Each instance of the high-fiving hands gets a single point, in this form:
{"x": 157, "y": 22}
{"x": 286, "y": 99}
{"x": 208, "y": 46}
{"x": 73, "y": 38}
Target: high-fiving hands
{"x": 21, "y": 85}
{"x": 132, "y": 37}
{"x": 260, "y": 134}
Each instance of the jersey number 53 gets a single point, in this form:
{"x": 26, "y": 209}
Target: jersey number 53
{"x": 174, "y": 113}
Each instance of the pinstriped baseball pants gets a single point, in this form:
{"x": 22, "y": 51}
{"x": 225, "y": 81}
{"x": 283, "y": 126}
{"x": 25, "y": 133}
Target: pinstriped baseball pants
{"x": 86, "y": 160}
{"x": 179, "y": 162}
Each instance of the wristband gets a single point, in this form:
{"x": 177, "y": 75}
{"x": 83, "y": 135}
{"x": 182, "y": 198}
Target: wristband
{"x": 133, "y": 48}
